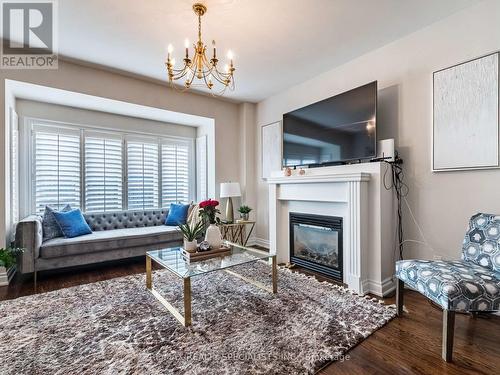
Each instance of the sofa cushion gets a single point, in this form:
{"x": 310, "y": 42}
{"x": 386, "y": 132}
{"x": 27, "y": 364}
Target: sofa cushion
{"x": 454, "y": 285}
{"x": 481, "y": 243}
{"x": 109, "y": 240}
{"x": 177, "y": 214}
{"x": 49, "y": 224}
{"x": 72, "y": 223}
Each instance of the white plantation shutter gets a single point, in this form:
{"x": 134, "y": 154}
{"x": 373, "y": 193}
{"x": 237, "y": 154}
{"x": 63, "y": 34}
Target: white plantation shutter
{"x": 103, "y": 172}
{"x": 56, "y": 169}
{"x": 142, "y": 174}
{"x": 97, "y": 171}
{"x": 175, "y": 172}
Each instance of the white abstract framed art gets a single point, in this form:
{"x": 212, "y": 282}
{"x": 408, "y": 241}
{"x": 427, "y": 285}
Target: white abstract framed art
{"x": 466, "y": 115}
{"x": 271, "y": 149}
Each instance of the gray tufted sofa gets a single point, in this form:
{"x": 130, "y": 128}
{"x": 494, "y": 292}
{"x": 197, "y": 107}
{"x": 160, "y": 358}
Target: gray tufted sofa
{"x": 116, "y": 235}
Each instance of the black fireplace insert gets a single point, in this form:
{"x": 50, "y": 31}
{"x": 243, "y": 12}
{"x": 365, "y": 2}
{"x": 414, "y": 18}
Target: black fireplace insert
{"x": 316, "y": 243}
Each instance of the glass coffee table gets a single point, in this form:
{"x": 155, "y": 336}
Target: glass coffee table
{"x": 172, "y": 260}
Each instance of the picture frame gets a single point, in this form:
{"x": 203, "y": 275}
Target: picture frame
{"x": 465, "y": 131}
{"x": 271, "y": 149}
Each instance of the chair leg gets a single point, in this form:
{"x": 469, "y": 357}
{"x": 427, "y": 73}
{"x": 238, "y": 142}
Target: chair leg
{"x": 400, "y": 286}
{"x": 448, "y": 330}
{"x": 34, "y": 280}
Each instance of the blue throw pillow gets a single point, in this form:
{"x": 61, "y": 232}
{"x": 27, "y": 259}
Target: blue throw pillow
{"x": 49, "y": 224}
{"x": 72, "y": 223}
{"x": 177, "y": 214}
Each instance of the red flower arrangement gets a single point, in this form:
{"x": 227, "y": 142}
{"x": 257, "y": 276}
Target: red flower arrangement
{"x": 208, "y": 210}
{"x": 209, "y": 203}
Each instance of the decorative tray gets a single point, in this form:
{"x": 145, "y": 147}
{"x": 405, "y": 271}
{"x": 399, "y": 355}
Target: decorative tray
{"x": 204, "y": 255}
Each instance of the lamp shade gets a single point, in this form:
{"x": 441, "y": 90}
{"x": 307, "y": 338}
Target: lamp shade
{"x": 230, "y": 189}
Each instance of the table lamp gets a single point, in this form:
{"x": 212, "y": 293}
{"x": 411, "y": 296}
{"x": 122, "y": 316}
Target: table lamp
{"x": 229, "y": 190}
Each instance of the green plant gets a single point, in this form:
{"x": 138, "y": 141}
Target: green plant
{"x": 192, "y": 232}
{"x": 8, "y": 256}
{"x": 244, "y": 209}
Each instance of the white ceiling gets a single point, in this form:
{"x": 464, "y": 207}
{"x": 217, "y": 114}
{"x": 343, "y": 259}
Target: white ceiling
{"x": 277, "y": 43}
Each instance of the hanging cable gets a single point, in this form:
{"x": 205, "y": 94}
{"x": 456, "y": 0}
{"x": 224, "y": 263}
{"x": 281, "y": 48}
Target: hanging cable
{"x": 401, "y": 191}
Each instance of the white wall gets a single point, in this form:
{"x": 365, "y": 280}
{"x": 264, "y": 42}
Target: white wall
{"x": 78, "y": 116}
{"x": 103, "y": 83}
{"x": 441, "y": 202}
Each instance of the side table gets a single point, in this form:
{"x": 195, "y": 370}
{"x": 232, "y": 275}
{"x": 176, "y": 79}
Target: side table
{"x": 236, "y": 232}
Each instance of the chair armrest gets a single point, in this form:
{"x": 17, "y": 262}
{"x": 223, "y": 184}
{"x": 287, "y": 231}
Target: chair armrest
{"x": 29, "y": 236}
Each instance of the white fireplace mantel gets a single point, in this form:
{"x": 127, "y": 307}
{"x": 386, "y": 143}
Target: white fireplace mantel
{"x": 320, "y": 178}
{"x": 334, "y": 191}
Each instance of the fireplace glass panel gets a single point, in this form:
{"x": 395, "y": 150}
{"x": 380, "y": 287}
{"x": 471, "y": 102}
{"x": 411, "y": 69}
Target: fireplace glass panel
{"x": 316, "y": 244}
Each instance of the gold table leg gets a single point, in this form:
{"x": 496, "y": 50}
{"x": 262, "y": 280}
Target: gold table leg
{"x": 148, "y": 272}
{"x": 187, "y": 302}
{"x": 275, "y": 274}
{"x": 249, "y": 233}
{"x": 185, "y": 320}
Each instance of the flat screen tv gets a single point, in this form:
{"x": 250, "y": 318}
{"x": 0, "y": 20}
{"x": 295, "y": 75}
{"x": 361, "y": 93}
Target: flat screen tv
{"x": 335, "y": 130}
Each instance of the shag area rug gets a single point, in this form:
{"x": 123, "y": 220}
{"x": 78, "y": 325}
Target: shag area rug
{"x": 118, "y": 327}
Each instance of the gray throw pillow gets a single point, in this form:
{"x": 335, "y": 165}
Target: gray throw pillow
{"x": 49, "y": 224}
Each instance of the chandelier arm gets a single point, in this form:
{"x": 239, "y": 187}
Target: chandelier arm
{"x": 179, "y": 76}
{"x": 178, "y": 71}
{"x": 223, "y": 77}
{"x": 219, "y": 80}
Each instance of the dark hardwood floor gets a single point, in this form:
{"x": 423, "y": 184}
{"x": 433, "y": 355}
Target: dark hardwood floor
{"x": 407, "y": 345}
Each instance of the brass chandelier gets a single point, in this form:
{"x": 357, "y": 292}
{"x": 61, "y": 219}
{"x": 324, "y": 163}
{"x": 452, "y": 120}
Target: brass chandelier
{"x": 202, "y": 69}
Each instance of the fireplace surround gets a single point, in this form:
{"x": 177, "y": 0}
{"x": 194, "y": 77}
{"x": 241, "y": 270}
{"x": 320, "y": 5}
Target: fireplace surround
{"x": 316, "y": 243}
{"x": 355, "y": 193}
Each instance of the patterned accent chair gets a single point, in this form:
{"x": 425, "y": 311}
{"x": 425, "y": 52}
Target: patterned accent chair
{"x": 468, "y": 285}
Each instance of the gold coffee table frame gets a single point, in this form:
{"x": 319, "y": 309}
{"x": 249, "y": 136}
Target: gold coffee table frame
{"x": 186, "y": 319}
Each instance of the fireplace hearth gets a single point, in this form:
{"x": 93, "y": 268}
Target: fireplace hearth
{"x": 316, "y": 243}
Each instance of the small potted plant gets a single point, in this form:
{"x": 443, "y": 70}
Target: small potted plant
{"x": 7, "y": 264}
{"x": 208, "y": 212}
{"x": 244, "y": 212}
{"x": 190, "y": 234}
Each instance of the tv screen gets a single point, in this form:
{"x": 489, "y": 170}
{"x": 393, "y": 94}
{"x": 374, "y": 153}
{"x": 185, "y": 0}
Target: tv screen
{"x": 338, "y": 129}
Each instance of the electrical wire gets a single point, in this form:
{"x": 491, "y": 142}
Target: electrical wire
{"x": 401, "y": 191}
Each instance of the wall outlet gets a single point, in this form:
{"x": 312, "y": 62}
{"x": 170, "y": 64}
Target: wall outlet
{"x": 437, "y": 257}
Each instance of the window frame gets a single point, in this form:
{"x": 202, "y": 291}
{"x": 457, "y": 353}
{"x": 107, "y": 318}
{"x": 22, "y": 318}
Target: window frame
{"x": 27, "y": 138}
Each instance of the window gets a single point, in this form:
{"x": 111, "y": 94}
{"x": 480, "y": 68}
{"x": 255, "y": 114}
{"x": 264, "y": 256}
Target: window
{"x": 142, "y": 174}
{"x": 103, "y": 173}
{"x": 174, "y": 173}
{"x": 107, "y": 171}
{"x": 56, "y": 169}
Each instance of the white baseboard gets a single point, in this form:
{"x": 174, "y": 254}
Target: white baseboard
{"x": 380, "y": 289}
{"x": 255, "y": 241}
